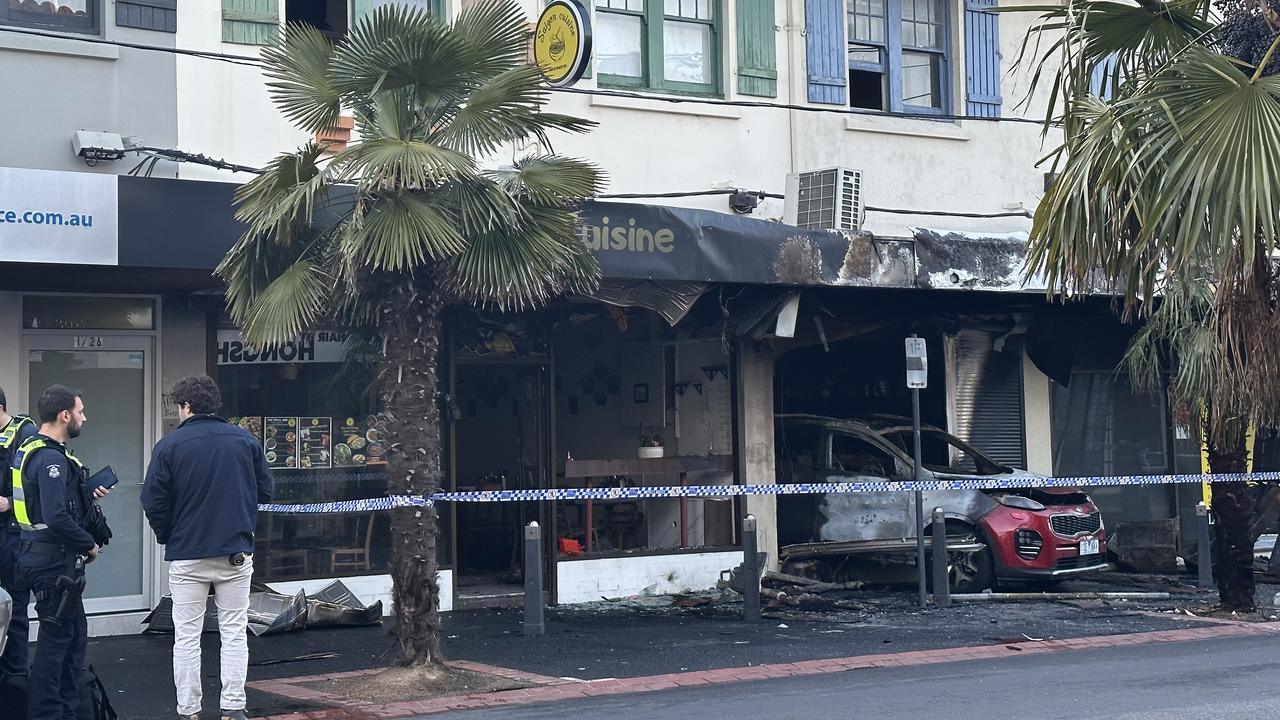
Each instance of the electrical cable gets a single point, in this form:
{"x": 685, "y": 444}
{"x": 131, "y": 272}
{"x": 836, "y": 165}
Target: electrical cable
{"x": 764, "y": 194}
{"x": 234, "y": 59}
{"x": 196, "y": 158}
{"x": 258, "y": 64}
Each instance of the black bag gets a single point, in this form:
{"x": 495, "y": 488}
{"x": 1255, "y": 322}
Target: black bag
{"x": 94, "y": 702}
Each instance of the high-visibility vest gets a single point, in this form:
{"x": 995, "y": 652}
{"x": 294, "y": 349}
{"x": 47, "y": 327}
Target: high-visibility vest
{"x": 25, "y": 452}
{"x": 8, "y": 439}
{"x": 10, "y": 432}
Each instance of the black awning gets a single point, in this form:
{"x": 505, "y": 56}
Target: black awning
{"x": 184, "y": 224}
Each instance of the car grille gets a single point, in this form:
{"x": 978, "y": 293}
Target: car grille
{"x": 1080, "y": 561}
{"x": 1072, "y": 525}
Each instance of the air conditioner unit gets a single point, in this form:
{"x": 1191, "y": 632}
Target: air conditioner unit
{"x": 828, "y": 199}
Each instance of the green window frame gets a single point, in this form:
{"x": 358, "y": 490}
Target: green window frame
{"x": 659, "y": 26}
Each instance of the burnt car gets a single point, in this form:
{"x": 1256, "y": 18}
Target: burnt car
{"x": 1030, "y": 533}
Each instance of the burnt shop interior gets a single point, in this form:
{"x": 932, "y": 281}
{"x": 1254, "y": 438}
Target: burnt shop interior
{"x": 582, "y": 396}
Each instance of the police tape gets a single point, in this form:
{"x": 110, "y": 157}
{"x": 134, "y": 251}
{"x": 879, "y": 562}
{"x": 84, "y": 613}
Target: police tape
{"x": 704, "y": 491}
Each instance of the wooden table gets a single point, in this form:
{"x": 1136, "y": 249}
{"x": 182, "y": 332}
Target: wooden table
{"x": 680, "y": 465}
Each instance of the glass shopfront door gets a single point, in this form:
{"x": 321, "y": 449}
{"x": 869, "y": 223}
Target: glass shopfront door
{"x": 116, "y": 375}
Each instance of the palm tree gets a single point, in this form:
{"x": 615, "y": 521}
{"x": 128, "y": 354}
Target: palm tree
{"x": 1167, "y": 187}
{"x": 391, "y": 230}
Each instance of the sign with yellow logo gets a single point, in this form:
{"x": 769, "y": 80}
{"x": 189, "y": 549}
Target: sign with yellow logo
{"x": 562, "y": 42}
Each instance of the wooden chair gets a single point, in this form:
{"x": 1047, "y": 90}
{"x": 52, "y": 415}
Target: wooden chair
{"x": 356, "y": 557}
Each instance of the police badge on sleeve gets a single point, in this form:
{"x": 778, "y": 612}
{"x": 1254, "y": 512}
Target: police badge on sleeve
{"x": 54, "y": 471}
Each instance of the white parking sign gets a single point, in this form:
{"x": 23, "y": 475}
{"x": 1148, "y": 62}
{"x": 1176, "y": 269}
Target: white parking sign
{"x": 917, "y": 363}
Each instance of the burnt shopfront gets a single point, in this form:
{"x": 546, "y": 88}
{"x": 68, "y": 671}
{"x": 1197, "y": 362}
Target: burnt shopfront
{"x": 643, "y": 384}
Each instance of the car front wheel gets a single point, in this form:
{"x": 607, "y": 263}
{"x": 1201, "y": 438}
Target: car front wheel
{"x": 968, "y": 571}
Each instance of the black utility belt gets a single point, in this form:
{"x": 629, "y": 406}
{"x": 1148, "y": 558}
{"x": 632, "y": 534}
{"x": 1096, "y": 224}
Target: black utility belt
{"x": 44, "y": 549}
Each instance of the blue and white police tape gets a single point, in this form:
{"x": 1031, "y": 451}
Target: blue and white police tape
{"x": 699, "y": 491}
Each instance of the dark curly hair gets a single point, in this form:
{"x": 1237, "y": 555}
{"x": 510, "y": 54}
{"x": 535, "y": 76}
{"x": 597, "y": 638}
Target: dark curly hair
{"x": 200, "y": 392}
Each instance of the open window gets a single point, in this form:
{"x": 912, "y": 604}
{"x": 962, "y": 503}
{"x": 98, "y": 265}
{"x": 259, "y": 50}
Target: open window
{"x": 327, "y": 16}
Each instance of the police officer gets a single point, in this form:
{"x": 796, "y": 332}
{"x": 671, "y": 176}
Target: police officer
{"x": 52, "y": 506}
{"x": 14, "y": 430}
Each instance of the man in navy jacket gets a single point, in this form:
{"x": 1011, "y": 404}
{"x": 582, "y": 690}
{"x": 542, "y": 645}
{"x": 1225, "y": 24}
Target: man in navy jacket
{"x": 201, "y": 497}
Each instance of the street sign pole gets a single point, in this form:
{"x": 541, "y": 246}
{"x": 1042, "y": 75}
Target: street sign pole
{"x": 918, "y": 378}
{"x": 918, "y": 476}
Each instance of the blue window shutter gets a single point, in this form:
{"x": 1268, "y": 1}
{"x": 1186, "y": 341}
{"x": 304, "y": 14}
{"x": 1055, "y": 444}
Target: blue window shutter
{"x": 825, "y": 51}
{"x": 757, "y": 49}
{"x": 250, "y": 22}
{"x": 981, "y": 59}
{"x": 1102, "y": 82}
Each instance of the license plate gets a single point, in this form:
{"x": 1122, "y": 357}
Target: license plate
{"x": 1089, "y": 546}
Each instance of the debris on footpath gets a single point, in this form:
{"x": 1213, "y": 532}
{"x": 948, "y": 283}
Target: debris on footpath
{"x": 271, "y": 612}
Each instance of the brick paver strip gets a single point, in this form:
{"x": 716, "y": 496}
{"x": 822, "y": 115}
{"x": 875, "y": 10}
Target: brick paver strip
{"x": 549, "y": 689}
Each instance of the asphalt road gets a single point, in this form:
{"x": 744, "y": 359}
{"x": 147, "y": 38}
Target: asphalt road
{"x": 1237, "y": 678}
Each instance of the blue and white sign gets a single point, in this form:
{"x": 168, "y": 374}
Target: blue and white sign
{"x": 58, "y": 217}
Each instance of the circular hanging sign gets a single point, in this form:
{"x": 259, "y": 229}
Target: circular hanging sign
{"x": 562, "y": 42}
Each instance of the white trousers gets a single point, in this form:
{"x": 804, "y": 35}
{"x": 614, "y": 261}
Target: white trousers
{"x": 189, "y": 584}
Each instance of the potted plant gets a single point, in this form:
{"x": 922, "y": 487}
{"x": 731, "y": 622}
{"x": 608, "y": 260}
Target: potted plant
{"x": 650, "y": 445}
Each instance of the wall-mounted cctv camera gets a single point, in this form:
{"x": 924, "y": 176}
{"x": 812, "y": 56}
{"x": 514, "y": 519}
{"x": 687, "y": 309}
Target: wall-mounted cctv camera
{"x": 94, "y": 145}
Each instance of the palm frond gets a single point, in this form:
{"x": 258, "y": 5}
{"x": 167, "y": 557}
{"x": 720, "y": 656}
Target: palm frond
{"x": 400, "y": 231}
{"x": 383, "y": 163}
{"x": 283, "y": 198}
{"x": 400, "y": 47}
{"x": 297, "y": 70}
{"x": 494, "y": 35}
{"x": 551, "y": 179}
{"x": 507, "y": 107}
{"x": 1117, "y": 42}
{"x": 292, "y": 302}
{"x": 523, "y": 265}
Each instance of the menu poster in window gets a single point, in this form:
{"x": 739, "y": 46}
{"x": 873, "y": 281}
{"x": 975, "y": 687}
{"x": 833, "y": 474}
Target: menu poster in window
{"x": 281, "y": 443}
{"x": 252, "y": 424}
{"x": 358, "y": 443}
{"x": 315, "y": 435}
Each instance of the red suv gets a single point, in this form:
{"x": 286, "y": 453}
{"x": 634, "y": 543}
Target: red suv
{"x": 1043, "y": 533}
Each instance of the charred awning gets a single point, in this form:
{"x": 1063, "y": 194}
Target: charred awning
{"x": 672, "y": 299}
{"x": 952, "y": 260}
{"x": 656, "y": 242}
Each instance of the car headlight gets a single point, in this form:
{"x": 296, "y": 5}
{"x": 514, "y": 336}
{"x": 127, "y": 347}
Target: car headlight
{"x": 1018, "y": 501}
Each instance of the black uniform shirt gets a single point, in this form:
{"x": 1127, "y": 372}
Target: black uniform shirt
{"x": 55, "y": 497}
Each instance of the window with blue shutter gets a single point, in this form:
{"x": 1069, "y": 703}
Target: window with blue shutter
{"x": 982, "y": 59}
{"x": 899, "y": 52}
{"x": 250, "y": 22}
{"x": 757, "y": 48}
{"x": 825, "y": 51}
{"x": 158, "y": 15}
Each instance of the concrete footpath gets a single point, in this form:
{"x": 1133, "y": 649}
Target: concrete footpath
{"x": 651, "y": 644}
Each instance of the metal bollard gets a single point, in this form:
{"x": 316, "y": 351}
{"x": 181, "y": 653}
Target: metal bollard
{"x": 941, "y": 588}
{"x": 750, "y": 571}
{"x": 534, "y": 619}
{"x": 1204, "y": 557}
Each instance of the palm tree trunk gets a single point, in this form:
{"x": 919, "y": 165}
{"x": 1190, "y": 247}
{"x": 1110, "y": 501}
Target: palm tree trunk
{"x": 1233, "y": 515}
{"x": 409, "y": 322}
